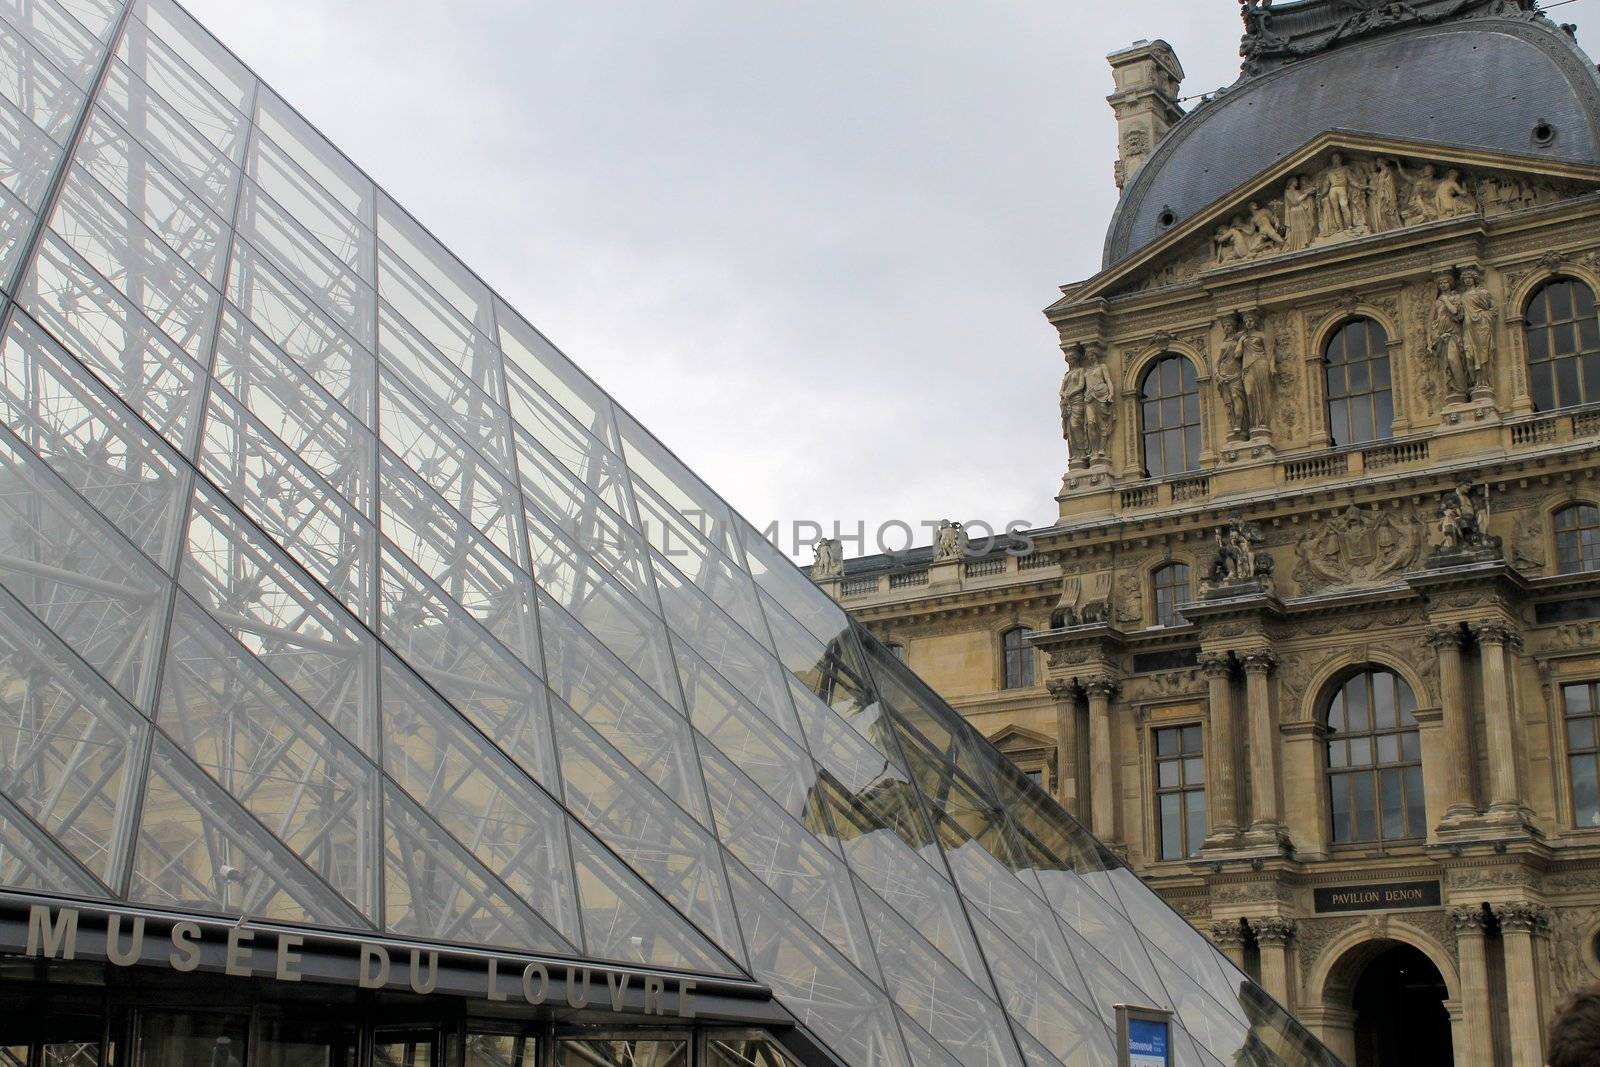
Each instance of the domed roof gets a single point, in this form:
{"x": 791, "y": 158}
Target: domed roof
{"x": 1487, "y": 82}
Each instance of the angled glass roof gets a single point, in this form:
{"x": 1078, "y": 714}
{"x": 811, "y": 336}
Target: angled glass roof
{"x": 332, "y": 593}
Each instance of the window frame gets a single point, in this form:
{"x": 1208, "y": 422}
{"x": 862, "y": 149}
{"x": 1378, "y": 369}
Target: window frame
{"x": 1576, "y": 507}
{"x": 1540, "y": 339}
{"x": 1346, "y": 774}
{"x": 1190, "y": 461}
{"x": 1371, "y": 358}
{"x": 1025, "y": 656}
{"x": 1572, "y": 754}
{"x": 1185, "y": 789}
{"x": 1156, "y": 587}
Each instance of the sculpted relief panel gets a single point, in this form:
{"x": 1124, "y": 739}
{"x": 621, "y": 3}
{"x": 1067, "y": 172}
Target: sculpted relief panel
{"x": 1363, "y": 546}
{"x": 1353, "y": 197}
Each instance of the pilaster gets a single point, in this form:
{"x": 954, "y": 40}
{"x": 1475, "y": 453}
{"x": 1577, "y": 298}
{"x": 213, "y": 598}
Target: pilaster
{"x": 1266, "y": 825}
{"x": 1222, "y": 805}
{"x": 1470, "y": 926}
{"x": 1274, "y": 938}
{"x": 1524, "y": 929}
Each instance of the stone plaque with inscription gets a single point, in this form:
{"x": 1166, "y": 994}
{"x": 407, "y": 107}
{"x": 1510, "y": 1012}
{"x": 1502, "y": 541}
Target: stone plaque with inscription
{"x": 1381, "y": 896}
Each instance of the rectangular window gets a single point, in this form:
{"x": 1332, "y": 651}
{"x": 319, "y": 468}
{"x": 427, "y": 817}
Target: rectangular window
{"x": 1180, "y": 791}
{"x": 1581, "y": 705}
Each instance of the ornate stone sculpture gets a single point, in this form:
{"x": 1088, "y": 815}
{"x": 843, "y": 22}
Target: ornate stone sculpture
{"x": 949, "y": 542}
{"x": 1463, "y": 530}
{"x": 1353, "y": 196}
{"x": 1447, "y": 339}
{"x": 1361, "y": 546}
{"x": 1255, "y": 359}
{"x": 1477, "y": 336}
{"x": 1072, "y": 408}
{"x": 1230, "y": 380}
{"x": 1238, "y": 566}
{"x": 1099, "y": 402}
{"x": 829, "y": 561}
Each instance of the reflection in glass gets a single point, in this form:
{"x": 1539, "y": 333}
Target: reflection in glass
{"x": 622, "y": 1052}
{"x": 192, "y": 1039}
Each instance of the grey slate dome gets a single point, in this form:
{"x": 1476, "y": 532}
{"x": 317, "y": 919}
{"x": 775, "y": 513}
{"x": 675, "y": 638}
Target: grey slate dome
{"x": 1513, "y": 82}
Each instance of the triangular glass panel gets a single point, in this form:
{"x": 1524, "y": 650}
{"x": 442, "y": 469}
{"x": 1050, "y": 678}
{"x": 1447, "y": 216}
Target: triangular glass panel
{"x": 76, "y": 574}
{"x": 198, "y": 849}
{"x": 29, "y": 859}
{"x": 299, "y": 777}
{"x": 67, "y": 740}
{"x": 433, "y": 887}
{"x": 472, "y": 790}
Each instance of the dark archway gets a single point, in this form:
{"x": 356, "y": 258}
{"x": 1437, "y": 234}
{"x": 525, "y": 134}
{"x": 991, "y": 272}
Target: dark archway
{"x": 1401, "y": 1020}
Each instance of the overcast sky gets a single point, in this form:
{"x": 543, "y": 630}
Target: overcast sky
{"x": 806, "y": 243}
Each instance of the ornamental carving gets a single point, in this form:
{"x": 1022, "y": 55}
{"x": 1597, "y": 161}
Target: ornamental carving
{"x": 1246, "y": 369}
{"x": 1525, "y": 917}
{"x": 1314, "y": 936}
{"x": 1575, "y": 635}
{"x": 949, "y": 541}
{"x": 1489, "y": 877}
{"x": 1088, "y": 411}
{"x": 1461, "y": 335}
{"x": 1362, "y": 546}
{"x": 1130, "y": 598}
{"x": 829, "y": 562}
{"x": 1569, "y": 959}
{"x": 1356, "y": 195}
{"x": 1273, "y": 930}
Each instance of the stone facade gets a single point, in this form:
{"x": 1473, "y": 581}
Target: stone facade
{"x": 1428, "y": 551}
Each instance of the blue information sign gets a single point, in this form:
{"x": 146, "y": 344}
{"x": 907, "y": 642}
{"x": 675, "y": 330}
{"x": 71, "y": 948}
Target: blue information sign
{"x": 1147, "y": 1043}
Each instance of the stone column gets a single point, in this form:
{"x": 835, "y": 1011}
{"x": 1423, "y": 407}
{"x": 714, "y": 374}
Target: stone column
{"x": 1069, "y": 768}
{"x": 1273, "y": 936}
{"x": 1476, "y": 1005}
{"x": 1505, "y": 794}
{"x": 1222, "y": 805}
{"x": 1455, "y": 757}
{"x": 1229, "y": 937}
{"x": 1102, "y": 760}
{"x": 1523, "y": 927}
{"x": 1265, "y": 825}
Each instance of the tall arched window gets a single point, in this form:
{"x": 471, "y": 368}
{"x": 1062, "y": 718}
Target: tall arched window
{"x": 1169, "y": 417}
{"x": 1017, "y": 657}
{"x": 1356, "y": 364}
{"x": 1375, "y": 760}
{"x": 1563, "y": 345}
{"x": 1578, "y": 538}
{"x": 1171, "y": 585}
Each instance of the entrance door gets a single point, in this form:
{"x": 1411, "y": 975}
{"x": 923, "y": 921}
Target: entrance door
{"x": 1401, "y": 1020}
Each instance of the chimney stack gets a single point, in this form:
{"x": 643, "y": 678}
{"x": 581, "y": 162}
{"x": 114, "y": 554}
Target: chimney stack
{"x": 1147, "y": 76}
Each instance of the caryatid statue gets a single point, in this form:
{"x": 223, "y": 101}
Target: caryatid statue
{"x": 1072, "y": 408}
{"x": 1447, "y": 338}
{"x": 1230, "y": 381}
{"x": 1099, "y": 406}
{"x": 1477, "y": 336}
{"x": 1255, "y": 361}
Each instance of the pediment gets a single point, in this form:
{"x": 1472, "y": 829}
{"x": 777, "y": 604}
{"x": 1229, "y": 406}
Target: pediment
{"x": 1339, "y": 188}
{"x": 1014, "y": 738}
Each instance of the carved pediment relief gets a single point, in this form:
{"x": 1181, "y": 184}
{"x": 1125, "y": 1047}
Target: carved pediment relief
{"x": 1339, "y": 188}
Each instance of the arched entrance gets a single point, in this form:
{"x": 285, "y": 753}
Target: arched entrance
{"x": 1380, "y": 999}
{"x": 1398, "y": 998}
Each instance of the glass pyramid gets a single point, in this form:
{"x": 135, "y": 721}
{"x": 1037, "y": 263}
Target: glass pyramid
{"x": 317, "y": 561}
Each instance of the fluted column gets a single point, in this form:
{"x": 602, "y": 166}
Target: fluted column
{"x": 1523, "y": 928}
{"x": 1222, "y": 803}
{"x": 1273, "y": 937}
{"x": 1477, "y": 1006}
{"x": 1102, "y": 760}
{"x": 1455, "y": 759}
{"x": 1229, "y": 937}
{"x": 1069, "y": 769}
{"x": 1258, "y": 665}
{"x": 1495, "y": 639}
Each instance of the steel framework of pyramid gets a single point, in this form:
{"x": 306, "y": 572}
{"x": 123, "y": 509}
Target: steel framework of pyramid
{"x": 332, "y": 594}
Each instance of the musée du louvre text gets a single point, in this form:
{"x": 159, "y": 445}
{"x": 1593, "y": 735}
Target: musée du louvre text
{"x": 239, "y": 951}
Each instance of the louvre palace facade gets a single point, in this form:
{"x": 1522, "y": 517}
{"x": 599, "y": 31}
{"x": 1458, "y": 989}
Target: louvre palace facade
{"x": 1314, "y": 645}
{"x": 375, "y": 691}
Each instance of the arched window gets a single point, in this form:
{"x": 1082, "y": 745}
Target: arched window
{"x": 1578, "y": 538}
{"x": 1375, "y": 760}
{"x": 1169, "y": 417}
{"x": 1171, "y": 585}
{"x": 1563, "y": 345}
{"x": 1018, "y": 658}
{"x": 1356, "y": 363}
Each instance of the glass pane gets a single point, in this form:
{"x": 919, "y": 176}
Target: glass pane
{"x": 501, "y": 1050}
{"x": 1171, "y": 827}
{"x": 404, "y": 1048}
{"x": 1585, "y": 791}
{"x": 300, "y": 1043}
{"x": 192, "y": 1040}
{"x": 1365, "y": 814}
{"x": 624, "y": 1052}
